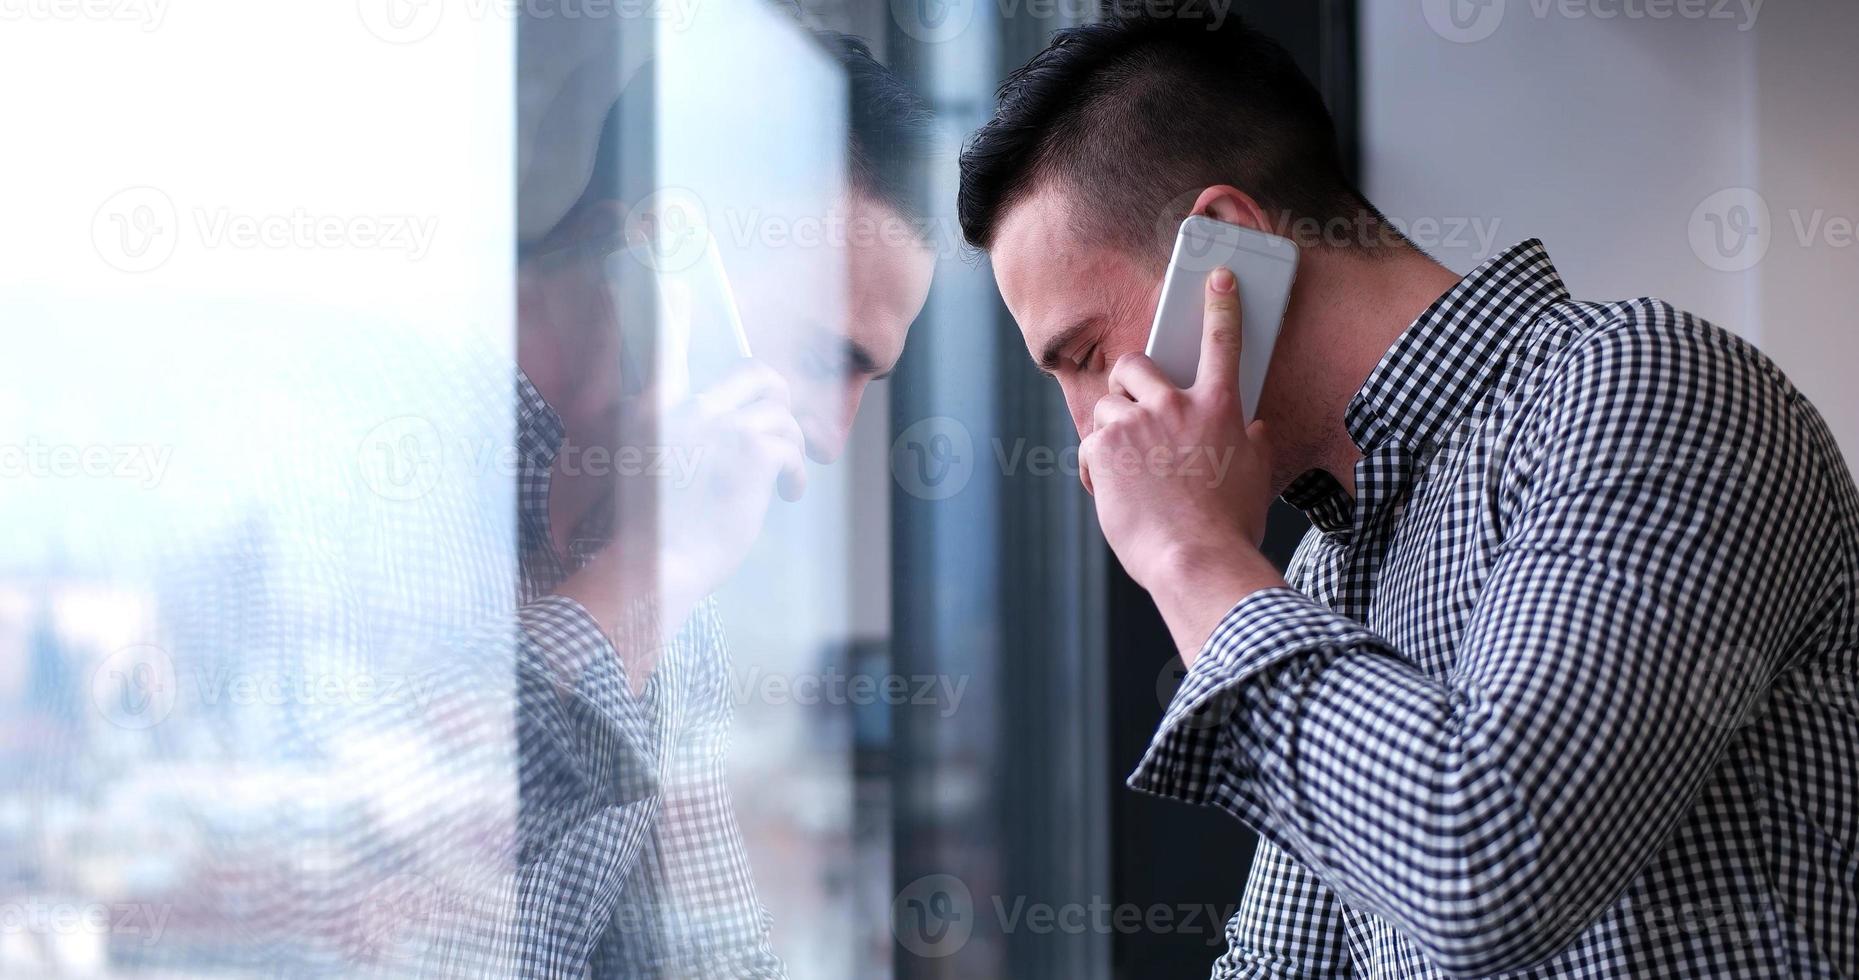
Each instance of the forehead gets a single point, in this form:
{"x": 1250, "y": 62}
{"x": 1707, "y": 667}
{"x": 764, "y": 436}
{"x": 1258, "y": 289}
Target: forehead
{"x": 888, "y": 280}
{"x": 866, "y": 276}
{"x": 1050, "y": 276}
{"x": 888, "y": 263}
{"x": 1034, "y": 241}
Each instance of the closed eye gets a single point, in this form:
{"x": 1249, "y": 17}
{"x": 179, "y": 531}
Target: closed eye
{"x": 1049, "y": 355}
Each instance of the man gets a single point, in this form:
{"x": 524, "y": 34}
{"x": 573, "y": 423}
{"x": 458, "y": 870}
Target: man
{"x": 631, "y": 863}
{"x": 1561, "y": 683}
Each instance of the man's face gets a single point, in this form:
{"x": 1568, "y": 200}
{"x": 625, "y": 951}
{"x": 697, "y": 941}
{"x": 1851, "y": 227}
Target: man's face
{"x": 829, "y": 355}
{"x": 827, "y": 351}
{"x": 1080, "y": 306}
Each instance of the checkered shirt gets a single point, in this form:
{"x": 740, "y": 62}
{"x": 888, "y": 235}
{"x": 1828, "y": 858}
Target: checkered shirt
{"x": 1569, "y": 688}
{"x": 632, "y": 864}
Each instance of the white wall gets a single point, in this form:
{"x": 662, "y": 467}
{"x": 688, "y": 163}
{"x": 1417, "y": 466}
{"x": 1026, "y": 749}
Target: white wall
{"x": 1808, "y": 110}
{"x": 1612, "y": 134}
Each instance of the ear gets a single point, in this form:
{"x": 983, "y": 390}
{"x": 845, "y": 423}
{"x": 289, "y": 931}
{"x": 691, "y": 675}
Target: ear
{"x": 1224, "y": 202}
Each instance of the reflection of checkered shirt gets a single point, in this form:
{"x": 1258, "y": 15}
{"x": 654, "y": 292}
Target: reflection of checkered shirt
{"x": 370, "y": 770}
{"x": 1571, "y": 687}
{"x": 631, "y": 861}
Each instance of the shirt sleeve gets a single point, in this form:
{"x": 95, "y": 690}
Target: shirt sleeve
{"x": 542, "y": 864}
{"x": 627, "y": 857}
{"x": 587, "y": 785}
{"x": 1288, "y": 925}
{"x": 709, "y": 920}
{"x": 1653, "y": 559}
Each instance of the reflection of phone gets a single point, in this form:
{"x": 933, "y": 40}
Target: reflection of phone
{"x": 1264, "y": 266}
{"x": 699, "y": 336}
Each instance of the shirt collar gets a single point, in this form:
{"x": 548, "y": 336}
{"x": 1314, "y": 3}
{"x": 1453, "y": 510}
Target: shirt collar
{"x": 1434, "y": 375}
{"x": 1321, "y": 498}
{"x": 539, "y": 430}
{"x": 539, "y": 434}
{"x": 1443, "y": 365}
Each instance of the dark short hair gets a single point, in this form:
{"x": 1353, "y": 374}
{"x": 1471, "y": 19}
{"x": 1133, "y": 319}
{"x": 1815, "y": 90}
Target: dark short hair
{"x": 891, "y": 130}
{"x": 1139, "y": 113}
{"x": 890, "y": 135}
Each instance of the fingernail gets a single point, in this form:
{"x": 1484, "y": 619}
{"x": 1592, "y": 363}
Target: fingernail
{"x": 1221, "y": 280}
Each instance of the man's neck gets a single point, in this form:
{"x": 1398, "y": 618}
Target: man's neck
{"x": 1359, "y": 307}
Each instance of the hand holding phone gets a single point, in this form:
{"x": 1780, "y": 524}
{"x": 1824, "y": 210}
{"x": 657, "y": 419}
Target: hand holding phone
{"x": 1264, "y": 266}
{"x": 1182, "y": 482}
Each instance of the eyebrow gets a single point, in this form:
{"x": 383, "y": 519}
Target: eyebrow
{"x": 1048, "y": 359}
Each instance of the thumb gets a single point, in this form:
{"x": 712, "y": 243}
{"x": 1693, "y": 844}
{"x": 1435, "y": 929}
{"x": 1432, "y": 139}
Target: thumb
{"x": 1220, "y": 336}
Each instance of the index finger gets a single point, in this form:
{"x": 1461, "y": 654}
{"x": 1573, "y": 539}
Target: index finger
{"x": 1220, "y": 332}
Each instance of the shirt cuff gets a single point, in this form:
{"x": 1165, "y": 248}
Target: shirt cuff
{"x": 1226, "y": 697}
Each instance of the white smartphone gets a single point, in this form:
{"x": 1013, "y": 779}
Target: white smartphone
{"x": 689, "y": 300}
{"x": 1263, "y": 265}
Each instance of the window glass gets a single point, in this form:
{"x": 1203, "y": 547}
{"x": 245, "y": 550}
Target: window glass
{"x": 498, "y": 488}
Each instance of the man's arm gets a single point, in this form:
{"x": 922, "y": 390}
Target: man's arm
{"x": 1657, "y": 551}
{"x": 707, "y": 918}
{"x": 618, "y": 809}
{"x": 1288, "y": 927}
{"x": 588, "y": 785}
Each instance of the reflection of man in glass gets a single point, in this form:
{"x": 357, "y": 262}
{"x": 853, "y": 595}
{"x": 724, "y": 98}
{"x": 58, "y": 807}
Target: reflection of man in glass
{"x": 634, "y": 505}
